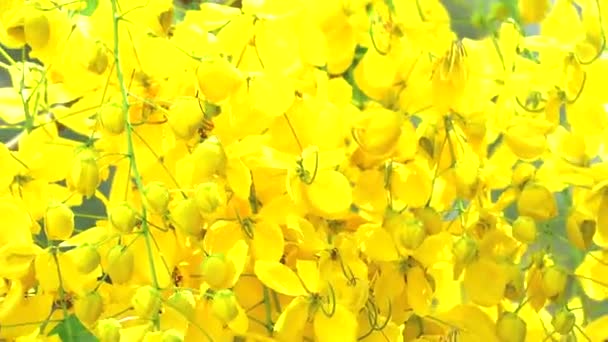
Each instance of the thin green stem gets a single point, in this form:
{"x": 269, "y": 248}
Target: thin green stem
{"x": 130, "y": 145}
{"x": 64, "y": 306}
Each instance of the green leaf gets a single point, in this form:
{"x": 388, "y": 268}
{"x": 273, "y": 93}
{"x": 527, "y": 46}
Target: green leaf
{"x": 91, "y": 7}
{"x": 71, "y": 329}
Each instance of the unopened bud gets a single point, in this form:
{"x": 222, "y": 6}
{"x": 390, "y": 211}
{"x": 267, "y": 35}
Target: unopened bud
{"x": 123, "y": 217}
{"x": 85, "y": 257}
{"x": 121, "y": 263}
{"x": 84, "y": 173}
{"x": 511, "y": 328}
{"x": 58, "y": 221}
{"x": 112, "y": 118}
{"x": 156, "y": 197}
{"x": 108, "y": 330}
{"x": 186, "y": 217}
{"x": 224, "y": 305}
{"x": 209, "y": 196}
{"x": 88, "y": 308}
{"x": 146, "y": 302}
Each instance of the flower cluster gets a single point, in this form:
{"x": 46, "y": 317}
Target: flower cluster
{"x": 299, "y": 170}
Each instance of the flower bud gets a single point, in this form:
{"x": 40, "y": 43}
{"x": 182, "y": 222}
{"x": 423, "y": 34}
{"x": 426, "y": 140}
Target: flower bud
{"x": 37, "y": 29}
{"x": 183, "y": 302}
{"x": 537, "y": 201}
{"x": 84, "y": 174}
{"x": 224, "y": 305}
{"x": 172, "y": 335}
{"x": 218, "y": 79}
{"x": 563, "y": 321}
{"x": 511, "y": 328}
{"x": 464, "y": 250}
{"x": 431, "y": 220}
{"x": 554, "y": 281}
{"x": 123, "y": 217}
{"x": 217, "y": 271}
{"x": 412, "y": 234}
{"x": 58, "y": 221}
{"x": 112, "y": 119}
{"x": 379, "y": 131}
{"x": 209, "y": 158}
{"x": 88, "y": 308}
{"x": 524, "y": 229}
{"x": 185, "y": 117}
{"x": 209, "y": 196}
{"x": 156, "y": 197}
{"x": 120, "y": 264}
{"x": 108, "y": 330}
{"x": 85, "y": 257}
{"x": 146, "y": 302}
{"x": 186, "y": 217}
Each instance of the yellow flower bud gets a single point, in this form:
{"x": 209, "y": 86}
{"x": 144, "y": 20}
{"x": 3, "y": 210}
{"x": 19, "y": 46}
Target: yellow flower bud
{"x": 217, "y": 271}
{"x": 185, "y": 118}
{"x": 537, "y": 202}
{"x": 563, "y": 321}
{"x": 123, "y": 217}
{"x": 108, "y": 330}
{"x": 120, "y": 264}
{"x": 554, "y": 281}
{"x": 186, "y": 217}
{"x": 88, "y": 308}
{"x": 412, "y": 234}
{"x": 58, "y": 221}
{"x": 431, "y": 220}
{"x": 209, "y": 158}
{"x": 37, "y": 29}
{"x": 112, "y": 118}
{"x": 224, "y": 305}
{"x": 146, "y": 302}
{"x": 183, "y": 302}
{"x": 84, "y": 173}
{"x": 156, "y": 197}
{"x": 85, "y": 257}
{"x": 172, "y": 335}
{"x": 464, "y": 250}
{"x": 524, "y": 229}
{"x": 511, "y": 328}
{"x": 209, "y": 196}
{"x": 378, "y": 132}
{"x": 218, "y": 79}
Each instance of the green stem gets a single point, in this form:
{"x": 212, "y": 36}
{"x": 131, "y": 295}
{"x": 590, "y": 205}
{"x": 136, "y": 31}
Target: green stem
{"x": 130, "y": 146}
{"x": 64, "y": 306}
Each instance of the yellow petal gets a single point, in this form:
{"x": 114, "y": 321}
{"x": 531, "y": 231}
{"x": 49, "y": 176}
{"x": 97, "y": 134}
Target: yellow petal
{"x": 16, "y": 259}
{"x": 292, "y": 321}
{"x": 268, "y": 242}
{"x": 377, "y": 243}
{"x": 279, "y": 278}
{"x": 309, "y": 273}
{"x": 330, "y": 194}
{"x": 419, "y": 291}
{"x": 341, "y": 326}
{"x": 485, "y": 281}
